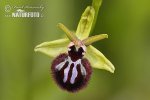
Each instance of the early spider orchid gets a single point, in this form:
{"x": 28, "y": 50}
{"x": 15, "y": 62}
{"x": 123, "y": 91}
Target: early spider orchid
{"x": 74, "y": 56}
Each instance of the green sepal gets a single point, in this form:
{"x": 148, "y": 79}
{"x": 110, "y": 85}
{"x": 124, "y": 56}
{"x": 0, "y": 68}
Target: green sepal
{"x": 85, "y": 23}
{"x": 53, "y": 48}
{"x": 98, "y": 60}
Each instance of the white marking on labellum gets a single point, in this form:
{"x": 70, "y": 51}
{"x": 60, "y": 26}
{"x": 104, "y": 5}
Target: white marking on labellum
{"x": 66, "y": 71}
{"x": 68, "y": 68}
{"x": 74, "y": 75}
{"x": 74, "y": 71}
{"x": 83, "y": 71}
{"x": 59, "y": 66}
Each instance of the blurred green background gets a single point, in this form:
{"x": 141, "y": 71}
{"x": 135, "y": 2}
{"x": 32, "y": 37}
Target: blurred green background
{"x": 25, "y": 75}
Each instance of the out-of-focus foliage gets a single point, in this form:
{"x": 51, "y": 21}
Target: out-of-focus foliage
{"x": 25, "y": 75}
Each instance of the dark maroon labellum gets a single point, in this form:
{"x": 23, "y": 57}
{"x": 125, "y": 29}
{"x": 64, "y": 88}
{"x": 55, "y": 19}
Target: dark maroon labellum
{"x": 70, "y": 71}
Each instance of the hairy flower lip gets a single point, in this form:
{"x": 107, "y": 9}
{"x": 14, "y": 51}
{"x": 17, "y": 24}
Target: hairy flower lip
{"x": 70, "y": 87}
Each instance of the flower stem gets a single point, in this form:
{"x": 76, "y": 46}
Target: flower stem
{"x": 96, "y": 4}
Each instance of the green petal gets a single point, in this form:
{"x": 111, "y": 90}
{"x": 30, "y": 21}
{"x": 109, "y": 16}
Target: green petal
{"x": 98, "y": 60}
{"x": 53, "y": 48}
{"x": 85, "y": 23}
{"x": 71, "y": 36}
{"x": 92, "y": 39}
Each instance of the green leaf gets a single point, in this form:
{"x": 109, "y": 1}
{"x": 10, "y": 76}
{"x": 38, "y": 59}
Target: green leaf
{"x": 53, "y": 48}
{"x": 98, "y": 60}
{"x": 85, "y": 23}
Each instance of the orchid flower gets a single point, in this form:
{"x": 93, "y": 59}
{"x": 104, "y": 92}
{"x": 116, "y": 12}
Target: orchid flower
{"x": 74, "y": 56}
